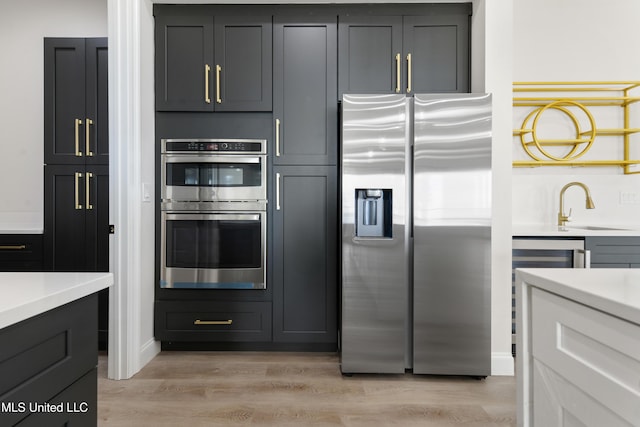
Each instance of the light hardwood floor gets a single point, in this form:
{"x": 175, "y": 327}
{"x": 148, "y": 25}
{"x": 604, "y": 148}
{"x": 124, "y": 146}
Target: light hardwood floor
{"x": 294, "y": 389}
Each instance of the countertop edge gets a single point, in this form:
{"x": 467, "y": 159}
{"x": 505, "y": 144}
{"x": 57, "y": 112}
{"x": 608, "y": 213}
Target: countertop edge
{"x": 84, "y": 284}
{"x": 544, "y": 279}
{"x": 574, "y": 230}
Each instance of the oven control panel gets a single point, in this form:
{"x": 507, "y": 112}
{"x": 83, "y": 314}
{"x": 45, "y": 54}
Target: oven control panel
{"x": 213, "y": 146}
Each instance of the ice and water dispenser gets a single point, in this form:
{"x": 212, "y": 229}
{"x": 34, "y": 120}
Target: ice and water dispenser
{"x": 373, "y": 213}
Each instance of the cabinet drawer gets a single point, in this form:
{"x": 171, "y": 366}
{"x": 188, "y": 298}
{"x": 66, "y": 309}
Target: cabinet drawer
{"x": 41, "y": 356}
{"x": 79, "y": 403}
{"x": 598, "y": 354}
{"x": 213, "y": 321}
{"x": 20, "y": 252}
{"x": 623, "y": 251}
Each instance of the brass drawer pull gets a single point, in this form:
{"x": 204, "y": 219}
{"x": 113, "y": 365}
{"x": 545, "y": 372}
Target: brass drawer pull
{"x": 207, "y": 70}
{"x": 77, "y": 125}
{"x": 218, "y": 71}
{"x": 77, "y": 175}
{"x": 13, "y": 247}
{"x": 87, "y": 127}
{"x": 213, "y": 322}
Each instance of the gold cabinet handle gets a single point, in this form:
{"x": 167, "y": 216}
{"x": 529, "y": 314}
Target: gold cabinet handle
{"x": 13, "y": 247}
{"x": 87, "y": 126}
{"x": 207, "y": 71}
{"x": 398, "y": 73}
{"x": 277, "y": 191}
{"x": 212, "y": 322}
{"x": 218, "y": 70}
{"x": 277, "y": 137}
{"x": 87, "y": 186}
{"x": 78, "y": 123}
{"x": 408, "y": 73}
{"x": 78, "y": 175}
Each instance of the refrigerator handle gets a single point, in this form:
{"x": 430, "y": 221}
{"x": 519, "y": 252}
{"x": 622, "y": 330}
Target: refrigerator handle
{"x": 410, "y": 188}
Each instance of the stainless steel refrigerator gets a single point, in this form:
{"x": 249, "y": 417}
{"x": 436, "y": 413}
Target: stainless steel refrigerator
{"x": 416, "y": 234}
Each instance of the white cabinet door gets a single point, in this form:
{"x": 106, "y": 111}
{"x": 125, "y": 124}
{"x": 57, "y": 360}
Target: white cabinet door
{"x": 586, "y": 365}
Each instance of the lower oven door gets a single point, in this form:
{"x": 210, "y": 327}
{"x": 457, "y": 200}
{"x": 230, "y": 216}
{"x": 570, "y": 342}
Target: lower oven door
{"x": 214, "y": 250}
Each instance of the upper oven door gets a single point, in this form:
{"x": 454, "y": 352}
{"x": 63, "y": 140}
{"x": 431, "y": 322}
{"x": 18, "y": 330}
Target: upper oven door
{"x": 205, "y": 177}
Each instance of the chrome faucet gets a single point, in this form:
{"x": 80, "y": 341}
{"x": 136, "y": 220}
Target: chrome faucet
{"x": 562, "y": 218}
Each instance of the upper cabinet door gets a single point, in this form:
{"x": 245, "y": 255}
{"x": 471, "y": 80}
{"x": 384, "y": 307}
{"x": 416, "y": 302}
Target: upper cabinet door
{"x": 370, "y": 54}
{"x": 96, "y": 126}
{"x": 243, "y": 70}
{"x": 76, "y": 106}
{"x": 64, "y": 100}
{"x": 436, "y": 53}
{"x": 305, "y": 105}
{"x": 205, "y": 67}
{"x": 184, "y": 63}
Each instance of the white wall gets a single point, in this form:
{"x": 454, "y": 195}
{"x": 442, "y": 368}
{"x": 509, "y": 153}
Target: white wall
{"x": 23, "y": 25}
{"x": 577, "y": 40}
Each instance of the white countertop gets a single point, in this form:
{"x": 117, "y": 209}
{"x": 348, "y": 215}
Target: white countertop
{"x": 24, "y": 295}
{"x": 22, "y": 229}
{"x": 612, "y": 290}
{"x": 575, "y": 230}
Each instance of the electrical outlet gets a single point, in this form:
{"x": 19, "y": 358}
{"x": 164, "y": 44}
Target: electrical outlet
{"x": 629, "y": 198}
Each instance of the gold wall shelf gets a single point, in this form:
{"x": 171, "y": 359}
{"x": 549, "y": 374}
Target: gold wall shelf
{"x": 573, "y": 99}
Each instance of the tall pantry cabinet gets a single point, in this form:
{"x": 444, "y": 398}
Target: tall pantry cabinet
{"x": 305, "y": 112}
{"x": 76, "y": 158}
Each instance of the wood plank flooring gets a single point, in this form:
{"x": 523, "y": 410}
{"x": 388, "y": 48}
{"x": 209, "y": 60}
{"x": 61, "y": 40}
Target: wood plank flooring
{"x": 294, "y": 389}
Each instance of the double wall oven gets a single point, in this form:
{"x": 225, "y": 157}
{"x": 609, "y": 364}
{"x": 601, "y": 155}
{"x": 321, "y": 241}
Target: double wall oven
{"x": 213, "y": 213}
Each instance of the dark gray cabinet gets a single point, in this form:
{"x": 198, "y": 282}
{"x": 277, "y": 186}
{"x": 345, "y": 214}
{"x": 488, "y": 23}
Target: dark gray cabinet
{"x": 51, "y": 357}
{"x": 76, "y": 219}
{"x": 20, "y": 252}
{"x": 207, "y": 63}
{"x": 404, "y": 54}
{"x": 305, "y": 255}
{"x": 370, "y": 54}
{"x": 76, "y": 153}
{"x": 213, "y": 321}
{"x": 614, "y": 251}
{"x": 305, "y": 106}
{"x": 76, "y": 107}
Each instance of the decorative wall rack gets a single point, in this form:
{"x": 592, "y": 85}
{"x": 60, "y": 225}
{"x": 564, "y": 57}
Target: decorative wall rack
{"x": 574, "y": 99}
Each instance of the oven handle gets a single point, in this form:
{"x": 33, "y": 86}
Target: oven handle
{"x": 211, "y": 216}
{"x": 170, "y": 158}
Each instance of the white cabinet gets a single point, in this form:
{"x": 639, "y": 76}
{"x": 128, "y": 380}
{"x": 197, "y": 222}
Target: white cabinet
{"x": 586, "y": 365}
{"x": 580, "y": 364}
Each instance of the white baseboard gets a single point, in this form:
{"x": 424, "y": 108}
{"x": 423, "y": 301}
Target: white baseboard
{"x": 148, "y": 351}
{"x": 502, "y": 364}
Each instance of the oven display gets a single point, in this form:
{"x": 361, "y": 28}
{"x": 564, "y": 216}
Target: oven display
{"x": 210, "y": 146}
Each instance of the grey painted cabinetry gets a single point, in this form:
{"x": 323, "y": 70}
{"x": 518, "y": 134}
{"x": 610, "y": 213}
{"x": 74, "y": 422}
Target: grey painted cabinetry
{"x": 305, "y": 255}
{"x": 312, "y": 50}
{"x": 305, "y": 107}
{"x": 304, "y": 252}
{"x": 20, "y": 252}
{"x": 76, "y": 106}
{"x": 404, "y": 54}
{"x": 51, "y": 358}
{"x": 213, "y": 63}
{"x": 76, "y": 152}
{"x": 614, "y": 252}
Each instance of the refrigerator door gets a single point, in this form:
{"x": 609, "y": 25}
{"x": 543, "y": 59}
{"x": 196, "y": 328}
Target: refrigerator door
{"x": 452, "y": 234}
{"x": 374, "y": 224}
